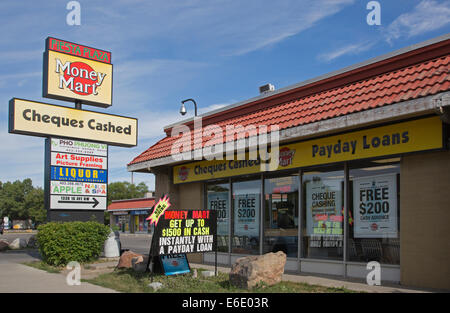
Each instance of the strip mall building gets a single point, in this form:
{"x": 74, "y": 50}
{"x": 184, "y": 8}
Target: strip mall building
{"x": 363, "y": 174}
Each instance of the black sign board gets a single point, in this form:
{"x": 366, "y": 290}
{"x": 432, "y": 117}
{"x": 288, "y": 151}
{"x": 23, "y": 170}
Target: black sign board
{"x": 185, "y": 231}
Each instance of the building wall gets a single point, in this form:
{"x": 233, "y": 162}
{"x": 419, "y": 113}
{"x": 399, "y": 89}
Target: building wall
{"x": 424, "y": 220}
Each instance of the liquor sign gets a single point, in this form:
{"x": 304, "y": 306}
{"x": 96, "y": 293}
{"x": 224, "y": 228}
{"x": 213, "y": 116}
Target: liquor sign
{"x": 44, "y": 120}
{"x": 73, "y": 72}
{"x": 76, "y": 181}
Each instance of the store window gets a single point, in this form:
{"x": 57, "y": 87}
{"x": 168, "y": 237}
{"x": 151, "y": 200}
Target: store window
{"x": 246, "y": 217}
{"x": 218, "y": 199}
{"x": 322, "y": 214}
{"x": 374, "y": 220}
{"x": 281, "y": 215}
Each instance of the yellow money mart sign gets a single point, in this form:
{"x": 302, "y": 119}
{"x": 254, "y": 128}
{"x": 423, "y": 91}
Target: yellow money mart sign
{"x": 412, "y": 136}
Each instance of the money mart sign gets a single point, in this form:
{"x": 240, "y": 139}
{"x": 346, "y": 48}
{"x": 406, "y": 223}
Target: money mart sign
{"x": 41, "y": 119}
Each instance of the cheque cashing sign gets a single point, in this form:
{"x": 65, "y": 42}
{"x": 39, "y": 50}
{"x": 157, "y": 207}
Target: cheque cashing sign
{"x": 75, "y": 72}
{"x": 41, "y": 119}
{"x": 411, "y": 136}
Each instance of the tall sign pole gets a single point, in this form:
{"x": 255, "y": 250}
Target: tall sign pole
{"x": 77, "y": 140}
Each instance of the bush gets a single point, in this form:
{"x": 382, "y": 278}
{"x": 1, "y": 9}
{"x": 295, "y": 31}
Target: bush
{"x": 60, "y": 243}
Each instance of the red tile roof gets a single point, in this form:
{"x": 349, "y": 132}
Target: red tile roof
{"x": 418, "y": 76}
{"x": 145, "y": 203}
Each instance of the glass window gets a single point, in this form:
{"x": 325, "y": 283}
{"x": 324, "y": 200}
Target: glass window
{"x": 281, "y": 215}
{"x": 374, "y": 204}
{"x": 218, "y": 198}
{"x": 246, "y": 210}
{"x": 322, "y": 214}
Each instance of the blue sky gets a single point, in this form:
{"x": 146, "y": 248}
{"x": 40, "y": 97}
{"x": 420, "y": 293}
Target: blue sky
{"x": 217, "y": 52}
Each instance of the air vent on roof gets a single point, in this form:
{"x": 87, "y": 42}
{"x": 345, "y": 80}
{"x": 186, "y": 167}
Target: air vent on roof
{"x": 266, "y": 88}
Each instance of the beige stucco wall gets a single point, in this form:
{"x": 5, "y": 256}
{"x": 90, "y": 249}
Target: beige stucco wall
{"x": 425, "y": 220}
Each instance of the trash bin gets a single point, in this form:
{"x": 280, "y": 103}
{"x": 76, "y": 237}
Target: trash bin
{"x": 112, "y": 245}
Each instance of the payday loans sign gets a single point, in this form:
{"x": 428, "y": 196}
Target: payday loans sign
{"x": 185, "y": 231}
{"x": 412, "y": 136}
{"x": 73, "y": 72}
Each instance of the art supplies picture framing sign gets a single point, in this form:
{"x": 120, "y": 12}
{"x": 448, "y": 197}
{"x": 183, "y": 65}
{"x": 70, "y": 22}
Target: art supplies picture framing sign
{"x": 73, "y": 72}
{"x": 185, "y": 231}
{"x": 375, "y": 206}
{"x": 76, "y": 181}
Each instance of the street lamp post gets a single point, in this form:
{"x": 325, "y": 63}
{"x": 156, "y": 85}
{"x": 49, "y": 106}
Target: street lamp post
{"x": 183, "y": 108}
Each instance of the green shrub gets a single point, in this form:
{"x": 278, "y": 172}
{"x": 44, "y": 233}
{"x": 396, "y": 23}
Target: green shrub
{"x": 60, "y": 243}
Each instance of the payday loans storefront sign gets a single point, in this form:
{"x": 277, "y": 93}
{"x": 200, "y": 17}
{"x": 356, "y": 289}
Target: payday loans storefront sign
{"x": 73, "y": 72}
{"x": 77, "y": 174}
{"x": 412, "y": 136}
{"x": 185, "y": 231}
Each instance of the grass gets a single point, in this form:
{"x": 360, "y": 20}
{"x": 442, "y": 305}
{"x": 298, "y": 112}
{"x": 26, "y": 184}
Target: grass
{"x": 134, "y": 282}
{"x": 40, "y": 265}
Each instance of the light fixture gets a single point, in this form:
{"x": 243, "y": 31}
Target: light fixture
{"x": 183, "y": 108}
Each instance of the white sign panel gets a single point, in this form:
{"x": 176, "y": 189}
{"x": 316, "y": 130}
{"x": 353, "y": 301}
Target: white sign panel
{"x": 79, "y": 147}
{"x": 375, "y": 206}
{"x": 77, "y": 188}
{"x": 219, "y": 201}
{"x": 79, "y": 160}
{"x": 246, "y": 215}
{"x": 77, "y": 202}
{"x": 324, "y": 208}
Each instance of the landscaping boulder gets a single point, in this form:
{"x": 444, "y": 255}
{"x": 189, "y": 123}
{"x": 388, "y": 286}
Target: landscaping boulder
{"x": 3, "y": 245}
{"x": 32, "y": 242}
{"x": 125, "y": 259}
{"x": 139, "y": 263}
{"x": 18, "y": 243}
{"x": 247, "y": 272}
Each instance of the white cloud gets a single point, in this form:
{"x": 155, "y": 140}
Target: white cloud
{"x": 427, "y": 16}
{"x": 351, "y": 49}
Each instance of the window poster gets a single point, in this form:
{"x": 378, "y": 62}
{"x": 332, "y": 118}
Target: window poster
{"x": 375, "y": 206}
{"x": 324, "y": 214}
{"x": 219, "y": 201}
{"x": 246, "y": 215}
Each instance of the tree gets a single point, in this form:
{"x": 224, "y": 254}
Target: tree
{"x": 126, "y": 190}
{"x": 20, "y": 200}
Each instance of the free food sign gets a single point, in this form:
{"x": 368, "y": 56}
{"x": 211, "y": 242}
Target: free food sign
{"x": 74, "y": 72}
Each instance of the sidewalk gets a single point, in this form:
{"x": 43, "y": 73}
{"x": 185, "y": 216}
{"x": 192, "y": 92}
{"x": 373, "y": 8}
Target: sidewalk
{"x": 330, "y": 282}
{"x": 18, "y": 278}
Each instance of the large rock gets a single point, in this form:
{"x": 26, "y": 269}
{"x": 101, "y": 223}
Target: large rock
{"x": 247, "y": 272}
{"x": 139, "y": 263}
{"x": 125, "y": 259}
{"x": 18, "y": 243}
{"x": 32, "y": 242}
{"x": 4, "y": 245}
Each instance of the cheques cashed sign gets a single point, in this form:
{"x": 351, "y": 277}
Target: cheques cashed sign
{"x": 185, "y": 231}
{"x": 74, "y": 72}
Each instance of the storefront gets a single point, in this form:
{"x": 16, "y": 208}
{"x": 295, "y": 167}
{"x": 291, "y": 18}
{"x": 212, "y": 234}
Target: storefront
{"x": 363, "y": 172}
{"x": 130, "y": 215}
